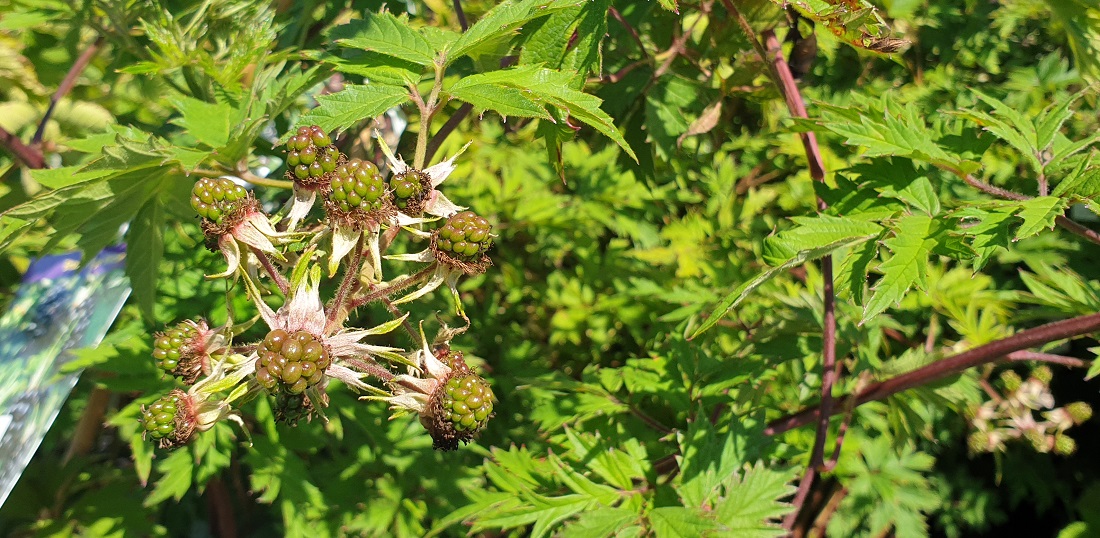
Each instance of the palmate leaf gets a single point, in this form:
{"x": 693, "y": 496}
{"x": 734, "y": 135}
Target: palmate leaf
{"x": 751, "y": 505}
{"x": 1039, "y": 214}
{"x": 911, "y": 245}
{"x": 352, "y": 105}
{"x": 569, "y": 40}
{"x": 384, "y": 33}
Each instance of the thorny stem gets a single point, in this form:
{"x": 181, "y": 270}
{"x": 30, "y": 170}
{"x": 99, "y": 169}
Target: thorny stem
{"x": 991, "y": 352}
{"x": 461, "y": 15}
{"x": 398, "y": 314}
{"x": 370, "y": 368}
{"x": 30, "y": 157}
{"x": 783, "y": 78}
{"x": 274, "y": 273}
{"x": 1061, "y": 220}
{"x": 441, "y": 135}
{"x": 379, "y": 293}
{"x": 67, "y": 84}
{"x": 427, "y": 111}
{"x": 351, "y": 276}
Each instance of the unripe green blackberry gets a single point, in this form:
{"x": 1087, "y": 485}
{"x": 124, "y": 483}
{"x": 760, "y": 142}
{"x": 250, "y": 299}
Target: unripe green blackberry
{"x": 1079, "y": 412}
{"x": 1011, "y": 380}
{"x": 213, "y": 198}
{"x": 463, "y": 241}
{"x": 169, "y": 420}
{"x": 410, "y": 189}
{"x": 169, "y": 346}
{"x": 357, "y": 185}
{"x": 291, "y": 363}
{"x": 467, "y": 402}
{"x": 1064, "y": 445}
{"x": 310, "y": 155}
{"x": 1043, "y": 374}
{"x": 460, "y": 407}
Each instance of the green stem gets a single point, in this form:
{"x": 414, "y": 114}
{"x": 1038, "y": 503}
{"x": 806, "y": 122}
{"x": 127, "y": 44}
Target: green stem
{"x": 427, "y": 111}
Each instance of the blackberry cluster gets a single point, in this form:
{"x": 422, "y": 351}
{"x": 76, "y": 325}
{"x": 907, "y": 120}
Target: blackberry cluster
{"x": 291, "y": 363}
{"x": 410, "y": 189}
{"x": 168, "y": 419}
{"x": 213, "y": 198}
{"x": 465, "y": 237}
{"x": 357, "y": 185}
{"x": 311, "y": 154}
{"x": 171, "y": 344}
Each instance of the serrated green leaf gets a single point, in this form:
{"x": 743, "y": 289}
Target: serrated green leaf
{"x": 889, "y": 129}
{"x": 852, "y": 274}
{"x": 751, "y": 506}
{"x": 504, "y": 100}
{"x": 384, "y": 33}
{"x": 1008, "y": 125}
{"x": 1039, "y": 213}
{"x": 352, "y": 105}
{"x": 544, "y": 512}
{"x": 56, "y": 178}
{"x": 501, "y": 21}
{"x": 209, "y": 123}
{"x": 581, "y": 484}
{"x": 991, "y": 233}
{"x": 814, "y": 232}
{"x": 1052, "y": 119}
{"x": 176, "y": 480}
{"x": 911, "y": 245}
{"x": 669, "y": 5}
{"x": 146, "y": 243}
{"x": 600, "y": 523}
{"x": 678, "y": 522}
{"x": 552, "y": 87}
{"x": 1094, "y": 368}
{"x": 735, "y": 297}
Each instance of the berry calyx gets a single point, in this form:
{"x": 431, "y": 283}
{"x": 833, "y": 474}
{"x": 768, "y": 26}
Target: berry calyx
{"x": 460, "y": 407}
{"x": 291, "y": 362}
{"x": 463, "y": 242}
{"x": 182, "y": 350}
{"x": 169, "y": 420}
{"x": 410, "y": 191}
{"x": 216, "y": 198}
{"x": 310, "y": 156}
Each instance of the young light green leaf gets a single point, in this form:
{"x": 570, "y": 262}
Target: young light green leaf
{"x": 209, "y": 123}
{"x": 1039, "y": 213}
{"x": 751, "y": 505}
{"x": 1009, "y": 126}
{"x": 385, "y": 34}
{"x": 501, "y": 21}
{"x": 601, "y": 522}
{"x": 852, "y": 274}
{"x": 734, "y": 298}
{"x": 504, "y": 100}
{"x": 1052, "y": 119}
{"x": 177, "y": 469}
{"x": 551, "y": 87}
{"x": 911, "y": 245}
{"x": 814, "y": 232}
{"x": 888, "y": 129}
{"x": 352, "y": 105}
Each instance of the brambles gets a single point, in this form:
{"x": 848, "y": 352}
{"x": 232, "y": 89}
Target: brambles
{"x": 291, "y": 363}
{"x": 214, "y": 198}
{"x": 307, "y": 342}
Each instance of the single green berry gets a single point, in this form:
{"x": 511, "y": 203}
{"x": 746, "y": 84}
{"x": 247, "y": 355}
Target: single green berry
{"x": 1079, "y": 412}
{"x": 465, "y": 237}
{"x": 1011, "y": 380}
{"x": 291, "y": 362}
{"x": 1043, "y": 374}
{"x": 1065, "y": 445}
{"x": 358, "y": 185}
{"x": 212, "y": 198}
